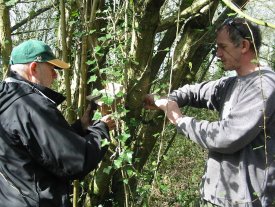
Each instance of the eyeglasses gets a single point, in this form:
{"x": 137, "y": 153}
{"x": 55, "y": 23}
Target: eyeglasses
{"x": 238, "y": 26}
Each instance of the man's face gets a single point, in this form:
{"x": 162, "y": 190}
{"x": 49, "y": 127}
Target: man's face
{"x": 45, "y": 74}
{"x": 228, "y": 53}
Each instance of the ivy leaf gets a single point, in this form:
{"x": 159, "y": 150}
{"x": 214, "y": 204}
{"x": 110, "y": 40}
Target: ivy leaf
{"x": 107, "y": 100}
{"x": 104, "y": 143}
{"x": 75, "y": 14}
{"x": 95, "y": 92}
{"x": 91, "y": 62}
{"x": 123, "y": 137}
{"x": 108, "y": 36}
{"x": 126, "y": 181}
{"x": 92, "y": 31}
{"x": 97, "y": 49}
{"x": 190, "y": 65}
{"x": 118, "y": 163}
{"x": 128, "y": 157}
{"x": 107, "y": 170}
{"x": 130, "y": 172}
{"x": 97, "y": 115}
{"x": 120, "y": 94}
{"x": 92, "y": 79}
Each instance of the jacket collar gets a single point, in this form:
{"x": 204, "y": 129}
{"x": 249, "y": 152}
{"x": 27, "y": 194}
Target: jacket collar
{"x": 58, "y": 98}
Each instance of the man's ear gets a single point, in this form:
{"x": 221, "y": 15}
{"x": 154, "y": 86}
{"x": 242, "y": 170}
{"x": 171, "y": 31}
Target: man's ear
{"x": 246, "y": 45}
{"x": 32, "y": 72}
{"x": 33, "y": 68}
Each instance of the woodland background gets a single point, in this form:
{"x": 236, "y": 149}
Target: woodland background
{"x": 150, "y": 46}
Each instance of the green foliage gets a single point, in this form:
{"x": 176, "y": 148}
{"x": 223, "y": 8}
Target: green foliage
{"x": 124, "y": 158}
{"x": 92, "y": 78}
{"x": 178, "y": 178}
{"x": 105, "y": 142}
{"x": 175, "y": 179}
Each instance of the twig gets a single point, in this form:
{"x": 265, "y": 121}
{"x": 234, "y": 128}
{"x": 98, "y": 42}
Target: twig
{"x": 232, "y": 6}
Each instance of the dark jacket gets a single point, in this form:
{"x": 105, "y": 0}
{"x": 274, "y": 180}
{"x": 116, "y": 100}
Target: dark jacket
{"x": 40, "y": 153}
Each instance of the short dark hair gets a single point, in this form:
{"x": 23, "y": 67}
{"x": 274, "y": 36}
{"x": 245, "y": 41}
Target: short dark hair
{"x": 241, "y": 28}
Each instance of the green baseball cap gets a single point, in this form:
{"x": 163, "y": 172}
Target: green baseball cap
{"x": 35, "y": 51}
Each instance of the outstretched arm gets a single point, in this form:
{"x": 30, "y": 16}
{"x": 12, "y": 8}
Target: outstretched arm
{"x": 169, "y": 107}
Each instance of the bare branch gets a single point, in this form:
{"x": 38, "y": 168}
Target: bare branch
{"x": 30, "y": 31}
{"x": 32, "y": 16}
{"x": 186, "y": 13}
{"x": 19, "y": 1}
{"x": 241, "y": 13}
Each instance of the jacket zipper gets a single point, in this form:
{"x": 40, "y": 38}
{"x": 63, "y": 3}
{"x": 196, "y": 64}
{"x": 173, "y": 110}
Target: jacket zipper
{"x": 13, "y": 186}
{"x": 10, "y": 183}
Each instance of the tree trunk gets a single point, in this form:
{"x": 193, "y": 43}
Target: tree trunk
{"x": 5, "y": 37}
{"x": 70, "y": 116}
{"x": 188, "y": 50}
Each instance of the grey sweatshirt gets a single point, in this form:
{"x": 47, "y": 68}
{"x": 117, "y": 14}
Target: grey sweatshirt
{"x": 240, "y": 170}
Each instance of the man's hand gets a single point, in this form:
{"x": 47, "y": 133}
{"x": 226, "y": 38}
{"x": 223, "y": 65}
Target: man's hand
{"x": 149, "y": 102}
{"x": 86, "y": 119}
{"x": 109, "y": 121}
{"x": 171, "y": 108}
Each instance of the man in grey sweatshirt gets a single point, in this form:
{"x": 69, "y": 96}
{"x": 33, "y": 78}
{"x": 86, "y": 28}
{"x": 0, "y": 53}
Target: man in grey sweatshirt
{"x": 240, "y": 170}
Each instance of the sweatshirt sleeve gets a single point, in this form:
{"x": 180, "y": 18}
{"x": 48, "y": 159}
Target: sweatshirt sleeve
{"x": 201, "y": 95}
{"x": 244, "y": 123}
{"x": 55, "y": 145}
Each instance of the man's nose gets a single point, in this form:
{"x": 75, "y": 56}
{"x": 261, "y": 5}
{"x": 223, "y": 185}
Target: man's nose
{"x": 218, "y": 52}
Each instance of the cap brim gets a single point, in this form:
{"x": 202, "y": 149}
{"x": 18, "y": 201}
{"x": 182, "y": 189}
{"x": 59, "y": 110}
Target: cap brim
{"x": 59, "y": 64}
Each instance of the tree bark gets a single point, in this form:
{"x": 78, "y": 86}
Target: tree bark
{"x": 191, "y": 48}
{"x": 67, "y": 73}
{"x": 5, "y": 37}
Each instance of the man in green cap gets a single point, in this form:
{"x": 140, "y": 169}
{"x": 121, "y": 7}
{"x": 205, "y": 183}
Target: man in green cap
{"x": 40, "y": 153}
{"x": 35, "y": 61}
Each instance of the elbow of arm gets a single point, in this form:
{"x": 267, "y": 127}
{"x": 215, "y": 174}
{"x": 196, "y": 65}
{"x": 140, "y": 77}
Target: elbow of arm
{"x": 227, "y": 146}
